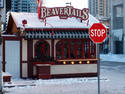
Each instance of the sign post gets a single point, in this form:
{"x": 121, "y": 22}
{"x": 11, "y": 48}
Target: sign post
{"x": 98, "y": 67}
{"x": 0, "y": 68}
{"x": 98, "y": 34}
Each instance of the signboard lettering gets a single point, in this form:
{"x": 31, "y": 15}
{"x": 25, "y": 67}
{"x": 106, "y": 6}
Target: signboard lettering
{"x": 63, "y": 12}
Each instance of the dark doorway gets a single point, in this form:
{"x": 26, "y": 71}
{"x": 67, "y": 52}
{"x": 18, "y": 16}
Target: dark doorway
{"x": 118, "y": 47}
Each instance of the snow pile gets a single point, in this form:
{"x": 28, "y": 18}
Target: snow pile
{"x": 6, "y": 74}
{"x": 113, "y": 57}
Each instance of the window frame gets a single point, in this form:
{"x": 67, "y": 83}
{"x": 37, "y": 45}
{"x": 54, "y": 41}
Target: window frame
{"x": 38, "y": 43}
{"x": 76, "y": 49}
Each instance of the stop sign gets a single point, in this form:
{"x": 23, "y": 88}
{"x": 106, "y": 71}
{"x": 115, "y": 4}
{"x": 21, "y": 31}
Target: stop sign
{"x": 97, "y": 33}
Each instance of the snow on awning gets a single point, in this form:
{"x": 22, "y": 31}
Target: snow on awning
{"x": 56, "y": 34}
{"x": 117, "y": 34}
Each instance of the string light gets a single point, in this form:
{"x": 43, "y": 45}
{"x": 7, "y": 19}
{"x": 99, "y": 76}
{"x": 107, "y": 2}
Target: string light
{"x": 80, "y": 62}
{"x": 64, "y": 62}
{"x": 88, "y": 62}
{"x": 72, "y": 62}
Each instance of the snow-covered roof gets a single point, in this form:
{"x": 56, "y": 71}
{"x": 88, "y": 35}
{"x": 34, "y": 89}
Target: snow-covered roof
{"x": 51, "y": 22}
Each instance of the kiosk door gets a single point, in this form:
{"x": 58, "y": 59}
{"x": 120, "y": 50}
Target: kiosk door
{"x": 12, "y": 57}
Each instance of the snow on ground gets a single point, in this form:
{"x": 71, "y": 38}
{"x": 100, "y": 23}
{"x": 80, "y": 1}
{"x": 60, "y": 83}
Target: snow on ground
{"x": 113, "y": 57}
{"x": 112, "y": 82}
{"x": 57, "y": 86}
{"x": 66, "y": 81}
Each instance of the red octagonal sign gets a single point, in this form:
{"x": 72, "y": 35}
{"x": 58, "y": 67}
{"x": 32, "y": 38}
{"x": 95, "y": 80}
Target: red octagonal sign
{"x": 97, "y": 33}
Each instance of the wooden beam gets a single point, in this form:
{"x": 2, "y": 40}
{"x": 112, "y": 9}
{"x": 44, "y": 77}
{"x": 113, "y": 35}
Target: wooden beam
{"x": 77, "y": 60}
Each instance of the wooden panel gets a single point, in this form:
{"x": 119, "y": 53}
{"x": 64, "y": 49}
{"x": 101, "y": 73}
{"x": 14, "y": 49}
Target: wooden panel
{"x": 77, "y": 60}
{"x": 24, "y": 50}
{"x": 43, "y": 71}
{"x": 11, "y": 28}
{"x": 24, "y": 70}
{"x": 6, "y": 78}
{"x": 74, "y": 75}
{"x": 30, "y": 56}
{"x": 73, "y": 69}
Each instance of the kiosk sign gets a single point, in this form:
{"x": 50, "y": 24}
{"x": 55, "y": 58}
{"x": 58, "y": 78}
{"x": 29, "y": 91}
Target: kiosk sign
{"x": 63, "y": 12}
{"x": 97, "y": 33}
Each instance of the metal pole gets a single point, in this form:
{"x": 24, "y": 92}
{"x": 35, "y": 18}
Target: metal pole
{"x": 0, "y": 74}
{"x": 3, "y": 21}
{"x": 98, "y": 67}
{"x": 111, "y": 26}
{"x": 1, "y": 90}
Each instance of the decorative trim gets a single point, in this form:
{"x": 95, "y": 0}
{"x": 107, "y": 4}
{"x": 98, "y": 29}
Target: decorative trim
{"x": 74, "y": 75}
{"x": 20, "y": 58}
{"x": 83, "y": 49}
{"x": 75, "y": 63}
{"x": 51, "y": 29}
{"x": 24, "y": 61}
{"x": 61, "y": 63}
{"x": 89, "y": 49}
{"x": 50, "y": 63}
{"x": 29, "y": 57}
{"x": 11, "y": 38}
{"x": 3, "y": 55}
{"x": 78, "y": 60}
{"x": 67, "y": 75}
{"x": 52, "y": 48}
{"x": 56, "y": 34}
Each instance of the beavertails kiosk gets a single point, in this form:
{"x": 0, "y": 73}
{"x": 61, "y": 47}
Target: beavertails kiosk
{"x": 52, "y": 43}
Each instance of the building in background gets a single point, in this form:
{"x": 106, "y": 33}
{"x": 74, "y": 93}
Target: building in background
{"x": 101, "y": 9}
{"x": 24, "y": 6}
{"x": 2, "y": 11}
{"x": 8, "y": 5}
{"x": 33, "y": 6}
{"x": 118, "y": 26}
{"x": 5, "y": 6}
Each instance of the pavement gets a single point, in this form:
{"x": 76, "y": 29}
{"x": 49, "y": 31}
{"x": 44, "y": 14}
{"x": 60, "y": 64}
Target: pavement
{"x": 115, "y": 73}
{"x": 119, "y": 67}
